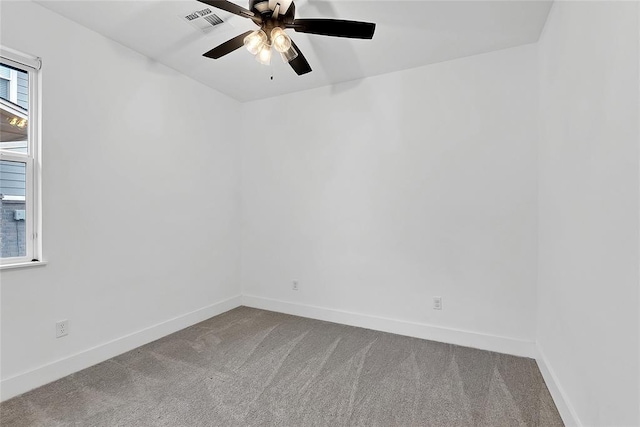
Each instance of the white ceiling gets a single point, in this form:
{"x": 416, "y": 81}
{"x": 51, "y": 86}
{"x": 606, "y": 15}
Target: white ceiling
{"x": 408, "y": 34}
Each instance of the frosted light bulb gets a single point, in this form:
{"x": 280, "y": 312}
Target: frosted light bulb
{"x": 254, "y": 41}
{"x": 280, "y": 39}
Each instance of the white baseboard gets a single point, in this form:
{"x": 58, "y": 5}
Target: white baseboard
{"x": 418, "y": 330}
{"x": 568, "y": 414}
{"x": 21, "y": 383}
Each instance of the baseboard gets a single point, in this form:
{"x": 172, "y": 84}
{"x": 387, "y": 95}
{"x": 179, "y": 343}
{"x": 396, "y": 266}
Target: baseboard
{"x": 418, "y": 330}
{"x": 21, "y": 383}
{"x": 568, "y": 414}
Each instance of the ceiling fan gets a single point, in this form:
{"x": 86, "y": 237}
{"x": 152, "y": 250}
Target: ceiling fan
{"x": 274, "y": 17}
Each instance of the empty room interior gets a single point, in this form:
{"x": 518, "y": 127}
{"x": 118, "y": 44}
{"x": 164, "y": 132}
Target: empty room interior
{"x": 320, "y": 213}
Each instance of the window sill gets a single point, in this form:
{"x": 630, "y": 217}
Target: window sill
{"x": 23, "y": 265}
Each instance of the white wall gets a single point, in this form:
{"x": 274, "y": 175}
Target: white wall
{"x": 141, "y": 181}
{"x": 377, "y": 195}
{"x": 588, "y": 209}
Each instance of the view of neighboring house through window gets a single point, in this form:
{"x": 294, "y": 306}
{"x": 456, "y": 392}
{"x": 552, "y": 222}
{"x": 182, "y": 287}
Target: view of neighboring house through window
{"x": 17, "y": 163}
{"x": 5, "y": 83}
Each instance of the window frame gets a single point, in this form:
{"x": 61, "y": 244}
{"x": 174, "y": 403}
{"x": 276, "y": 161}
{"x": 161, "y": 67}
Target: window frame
{"x": 32, "y": 66}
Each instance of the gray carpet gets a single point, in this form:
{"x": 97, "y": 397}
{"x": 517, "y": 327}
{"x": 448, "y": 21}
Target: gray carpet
{"x": 254, "y": 367}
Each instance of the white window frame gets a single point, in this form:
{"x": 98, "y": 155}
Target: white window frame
{"x": 13, "y": 84}
{"x": 33, "y": 198}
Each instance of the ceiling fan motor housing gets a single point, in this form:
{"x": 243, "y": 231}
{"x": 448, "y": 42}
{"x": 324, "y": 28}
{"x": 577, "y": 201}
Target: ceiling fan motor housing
{"x": 261, "y": 8}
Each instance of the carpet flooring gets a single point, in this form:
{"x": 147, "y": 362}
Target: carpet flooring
{"x": 250, "y": 367}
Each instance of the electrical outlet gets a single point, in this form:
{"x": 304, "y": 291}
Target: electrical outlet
{"x": 295, "y": 285}
{"x": 62, "y": 328}
{"x": 437, "y": 303}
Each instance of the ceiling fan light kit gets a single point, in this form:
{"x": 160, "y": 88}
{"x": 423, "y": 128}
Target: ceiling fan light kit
{"x": 280, "y": 39}
{"x": 264, "y": 56}
{"x": 254, "y": 41}
{"x": 274, "y": 17}
{"x": 289, "y": 55}
{"x": 257, "y": 43}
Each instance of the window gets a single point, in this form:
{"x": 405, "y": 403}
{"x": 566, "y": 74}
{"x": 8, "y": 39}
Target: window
{"x": 4, "y": 88}
{"x": 19, "y": 158}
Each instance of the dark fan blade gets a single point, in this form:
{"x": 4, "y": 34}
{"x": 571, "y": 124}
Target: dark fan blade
{"x": 300, "y": 64}
{"x": 335, "y": 28}
{"x": 229, "y": 7}
{"x": 227, "y": 47}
